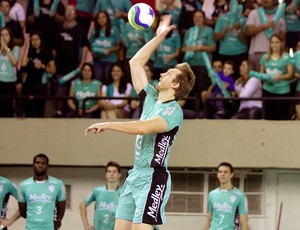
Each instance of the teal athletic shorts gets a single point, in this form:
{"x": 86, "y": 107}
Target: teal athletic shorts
{"x": 144, "y": 196}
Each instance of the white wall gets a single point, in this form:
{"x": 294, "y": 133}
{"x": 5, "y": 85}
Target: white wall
{"x": 280, "y": 185}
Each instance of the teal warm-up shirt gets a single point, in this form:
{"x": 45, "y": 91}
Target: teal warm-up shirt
{"x": 152, "y": 150}
{"x": 224, "y": 205}
{"x": 231, "y": 43}
{"x": 105, "y": 207}
{"x": 40, "y": 199}
{"x": 7, "y": 188}
{"x": 205, "y": 37}
{"x": 274, "y": 68}
{"x": 83, "y": 90}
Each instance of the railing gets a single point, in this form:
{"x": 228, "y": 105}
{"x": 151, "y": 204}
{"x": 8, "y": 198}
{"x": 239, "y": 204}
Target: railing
{"x": 195, "y": 100}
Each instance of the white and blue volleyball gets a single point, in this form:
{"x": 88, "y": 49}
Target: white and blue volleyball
{"x": 141, "y": 16}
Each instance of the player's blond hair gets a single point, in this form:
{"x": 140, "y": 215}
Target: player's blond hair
{"x": 186, "y": 80}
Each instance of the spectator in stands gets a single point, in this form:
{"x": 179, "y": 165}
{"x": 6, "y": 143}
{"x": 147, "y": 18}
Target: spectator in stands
{"x": 171, "y": 9}
{"x": 9, "y": 57}
{"x": 117, "y": 87}
{"x": 135, "y": 105}
{"x": 5, "y": 8}
{"x": 133, "y": 39}
{"x": 202, "y": 40}
{"x": 84, "y": 13}
{"x": 221, "y": 108}
{"x": 248, "y": 87}
{"x": 232, "y": 38}
{"x": 292, "y": 19}
{"x": 43, "y": 21}
{"x": 81, "y": 88}
{"x": 71, "y": 52}
{"x": 216, "y": 9}
{"x": 186, "y": 20}
{"x": 105, "y": 42}
{"x": 260, "y": 32}
{"x": 167, "y": 53}
{"x": 116, "y": 10}
{"x": 278, "y": 65}
{"x": 37, "y": 64}
{"x": 17, "y": 13}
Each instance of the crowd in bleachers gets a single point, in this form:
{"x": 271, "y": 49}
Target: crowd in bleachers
{"x": 76, "y": 49}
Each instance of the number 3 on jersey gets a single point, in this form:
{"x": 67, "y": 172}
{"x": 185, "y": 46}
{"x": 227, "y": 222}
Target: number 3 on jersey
{"x": 38, "y": 210}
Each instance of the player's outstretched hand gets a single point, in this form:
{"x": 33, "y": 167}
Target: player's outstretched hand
{"x": 164, "y": 25}
{"x": 96, "y": 128}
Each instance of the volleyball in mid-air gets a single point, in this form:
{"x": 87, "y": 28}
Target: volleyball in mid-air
{"x": 141, "y": 16}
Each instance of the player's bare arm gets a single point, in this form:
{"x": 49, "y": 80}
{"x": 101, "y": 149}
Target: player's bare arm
{"x": 138, "y": 74}
{"x": 154, "y": 125}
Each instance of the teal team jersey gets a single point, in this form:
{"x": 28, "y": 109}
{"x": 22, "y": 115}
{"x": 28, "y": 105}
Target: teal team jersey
{"x": 168, "y": 46}
{"x": 105, "y": 207}
{"x": 85, "y": 6}
{"x": 231, "y": 43}
{"x": 275, "y": 68}
{"x": 292, "y": 21}
{"x": 102, "y": 43}
{"x": 152, "y": 150}
{"x": 40, "y": 199}
{"x": 224, "y": 205}
{"x": 112, "y": 7}
{"x": 7, "y": 188}
{"x": 8, "y": 73}
{"x": 205, "y": 37}
{"x": 83, "y": 90}
{"x": 175, "y": 15}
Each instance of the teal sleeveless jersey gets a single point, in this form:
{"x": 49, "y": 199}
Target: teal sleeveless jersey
{"x": 7, "y": 188}
{"x": 224, "y": 206}
{"x": 152, "y": 150}
{"x": 83, "y": 90}
{"x": 40, "y": 199}
{"x": 105, "y": 207}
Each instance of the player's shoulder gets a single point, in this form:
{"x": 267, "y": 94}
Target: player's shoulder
{"x": 214, "y": 192}
{"x": 238, "y": 192}
{"x": 55, "y": 181}
{"x": 4, "y": 180}
{"x": 26, "y": 182}
{"x": 100, "y": 188}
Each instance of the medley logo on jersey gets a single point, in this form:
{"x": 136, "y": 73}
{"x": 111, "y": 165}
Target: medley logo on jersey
{"x": 163, "y": 146}
{"x": 107, "y": 206}
{"x": 222, "y": 207}
{"x": 40, "y": 198}
{"x": 156, "y": 197}
{"x": 82, "y": 95}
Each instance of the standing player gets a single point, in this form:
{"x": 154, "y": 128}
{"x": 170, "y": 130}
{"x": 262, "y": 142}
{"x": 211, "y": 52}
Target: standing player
{"x": 7, "y": 188}
{"x": 106, "y": 198}
{"x": 147, "y": 187}
{"x": 226, "y": 202}
{"x": 42, "y": 196}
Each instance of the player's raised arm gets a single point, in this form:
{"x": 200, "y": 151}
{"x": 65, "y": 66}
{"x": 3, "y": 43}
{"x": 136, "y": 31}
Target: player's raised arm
{"x": 139, "y": 78}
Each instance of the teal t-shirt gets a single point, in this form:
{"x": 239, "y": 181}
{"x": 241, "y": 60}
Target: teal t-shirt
{"x": 292, "y": 21}
{"x": 223, "y": 206}
{"x": 40, "y": 199}
{"x": 8, "y": 73}
{"x": 83, "y": 90}
{"x": 111, "y": 7}
{"x": 175, "y": 14}
{"x": 274, "y": 68}
{"x": 85, "y": 6}
{"x": 134, "y": 40}
{"x": 205, "y": 37}
{"x": 231, "y": 44}
{"x": 168, "y": 46}
{"x": 153, "y": 150}
{"x": 7, "y": 188}
{"x": 102, "y": 43}
{"x": 105, "y": 207}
